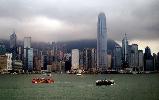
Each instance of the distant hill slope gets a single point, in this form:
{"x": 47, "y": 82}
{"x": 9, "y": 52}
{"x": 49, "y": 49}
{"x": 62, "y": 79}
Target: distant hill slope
{"x": 69, "y": 45}
{"x": 80, "y": 44}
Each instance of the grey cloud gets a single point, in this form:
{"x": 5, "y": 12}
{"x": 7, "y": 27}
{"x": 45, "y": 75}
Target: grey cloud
{"x": 138, "y": 18}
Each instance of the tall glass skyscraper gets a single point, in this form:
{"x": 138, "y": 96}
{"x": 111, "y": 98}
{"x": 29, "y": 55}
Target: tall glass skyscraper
{"x": 102, "y": 42}
{"x": 13, "y": 46}
{"x": 28, "y": 55}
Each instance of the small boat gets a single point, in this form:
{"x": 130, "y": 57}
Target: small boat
{"x": 78, "y": 74}
{"x": 42, "y": 80}
{"x": 104, "y": 82}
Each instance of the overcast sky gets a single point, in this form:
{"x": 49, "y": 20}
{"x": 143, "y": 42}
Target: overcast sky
{"x": 65, "y": 20}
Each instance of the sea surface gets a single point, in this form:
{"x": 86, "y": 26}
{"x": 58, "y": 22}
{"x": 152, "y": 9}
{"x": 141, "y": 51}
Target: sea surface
{"x": 72, "y": 87}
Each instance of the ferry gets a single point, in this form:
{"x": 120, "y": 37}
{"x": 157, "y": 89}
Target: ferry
{"x": 104, "y": 82}
{"x": 42, "y": 80}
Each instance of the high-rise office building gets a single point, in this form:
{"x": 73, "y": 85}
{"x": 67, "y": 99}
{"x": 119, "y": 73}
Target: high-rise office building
{"x": 94, "y": 59}
{"x": 102, "y": 42}
{"x": 9, "y": 61}
{"x": 87, "y": 59}
{"x": 141, "y": 60}
{"x": 155, "y": 61}
{"x": 117, "y": 58}
{"x": 75, "y": 59}
{"x": 125, "y": 51}
{"x": 13, "y": 40}
{"x": 28, "y": 55}
{"x": 30, "y": 59}
{"x": 13, "y": 45}
{"x": 148, "y": 61}
{"x": 134, "y": 56}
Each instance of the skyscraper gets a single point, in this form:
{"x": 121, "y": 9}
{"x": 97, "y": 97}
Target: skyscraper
{"x": 141, "y": 60}
{"x": 13, "y": 40}
{"x": 134, "y": 56}
{"x": 28, "y": 54}
{"x": 75, "y": 59}
{"x": 13, "y": 46}
{"x": 125, "y": 51}
{"x": 148, "y": 61}
{"x": 102, "y": 42}
{"x": 117, "y": 58}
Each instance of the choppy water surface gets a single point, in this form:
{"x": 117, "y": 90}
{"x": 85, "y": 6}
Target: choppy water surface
{"x": 72, "y": 87}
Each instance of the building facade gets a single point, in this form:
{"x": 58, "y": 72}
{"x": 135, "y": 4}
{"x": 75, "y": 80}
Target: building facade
{"x": 134, "y": 56}
{"x": 13, "y": 45}
{"x": 28, "y": 55}
{"x": 141, "y": 60}
{"x": 102, "y": 42}
{"x": 117, "y": 58}
{"x": 75, "y": 59}
{"x": 125, "y": 52}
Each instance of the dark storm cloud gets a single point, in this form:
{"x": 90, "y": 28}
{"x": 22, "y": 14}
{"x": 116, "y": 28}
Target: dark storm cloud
{"x": 138, "y": 18}
{"x": 147, "y": 16}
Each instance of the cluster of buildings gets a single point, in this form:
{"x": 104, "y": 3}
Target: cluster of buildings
{"x": 130, "y": 58}
{"x": 25, "y": 59}
{"x": 125, "y": 59}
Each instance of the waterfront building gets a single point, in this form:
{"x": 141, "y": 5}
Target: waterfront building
{"x": 75, "y": 59}
{"x": 87, "y": 61}
{"x": 6, "y": 62}
{"x": 28, "y": 55}
{"x": 3, "y": 63}
{"x": 125, "y": 52}
{"x": 81, "y": 59}
{"x": 9, "y": 61}
{"x": 134, "y": 56}
{"x": 30, "y": 59}
{"x": 117, "y": 58}
{"x": 37, "y": 63}
{"x": 102, "y": 42}
{"x": 109, "y": 61}
{"x": 148, "y": 61}
{"x": 94, "y": 59}
{"x": 17, "y": 65}
{"x": 141, "y": 60}
{"x": 155, "y": 61}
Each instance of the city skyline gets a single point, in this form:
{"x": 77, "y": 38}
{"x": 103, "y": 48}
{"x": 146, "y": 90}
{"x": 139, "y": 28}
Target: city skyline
{"x": 58, "y": 21}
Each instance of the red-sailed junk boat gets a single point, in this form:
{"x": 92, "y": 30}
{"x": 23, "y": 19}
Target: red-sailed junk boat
{"x": 42, "y": 80}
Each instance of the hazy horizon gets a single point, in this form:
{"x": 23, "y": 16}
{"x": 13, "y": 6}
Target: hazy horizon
{"x": 66, "y": 20}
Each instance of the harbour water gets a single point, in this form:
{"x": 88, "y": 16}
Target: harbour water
{"x": 72, "y": 87}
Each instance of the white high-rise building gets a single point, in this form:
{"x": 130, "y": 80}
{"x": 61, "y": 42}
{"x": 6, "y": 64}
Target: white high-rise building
{"x": 9, "y": 61}
{"x": 75, "y": 59}
{"x": 102, "y": 42}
